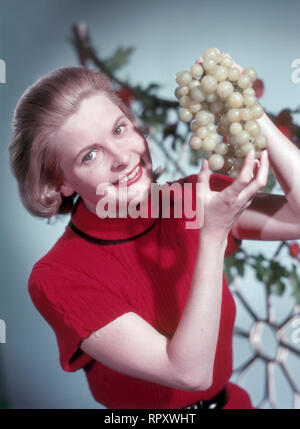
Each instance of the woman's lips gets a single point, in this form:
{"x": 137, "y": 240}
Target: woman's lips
{"x": 133, "y": 179}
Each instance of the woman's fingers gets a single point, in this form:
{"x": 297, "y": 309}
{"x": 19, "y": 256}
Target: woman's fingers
{"x": 251, "y": 178}
{"x": 225, "y": 54}
{"x": 203, "y": 176}
{"x": 203, "y": 188}
{"x": 199, "y": 60}
{"x": 244, "y": 177}
{"x": 260, "y": 176}
{"x": 234, "y": 63}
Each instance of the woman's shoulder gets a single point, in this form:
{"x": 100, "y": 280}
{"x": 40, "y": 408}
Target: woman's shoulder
{"x": 67, "y": 250}
{"x": 69, "y": 261}
{"x": 57, "y": 261}
{"x": 57, "y": 252}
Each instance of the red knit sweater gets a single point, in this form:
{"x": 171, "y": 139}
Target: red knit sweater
{"x": 80, "y": 286}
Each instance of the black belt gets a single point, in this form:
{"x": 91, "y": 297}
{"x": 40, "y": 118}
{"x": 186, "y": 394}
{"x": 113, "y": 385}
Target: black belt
{"x": 218, "y": 401}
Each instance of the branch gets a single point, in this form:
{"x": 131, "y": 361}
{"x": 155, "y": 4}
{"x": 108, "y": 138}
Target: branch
{"x": 86, "y": 52}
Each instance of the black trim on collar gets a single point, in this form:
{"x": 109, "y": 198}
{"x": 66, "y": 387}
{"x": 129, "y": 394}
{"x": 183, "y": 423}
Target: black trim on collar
{"x": 102, "y": 241}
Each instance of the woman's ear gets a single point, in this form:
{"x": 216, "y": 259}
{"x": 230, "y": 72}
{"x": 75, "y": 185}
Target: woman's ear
{"x": 66, "y": 190}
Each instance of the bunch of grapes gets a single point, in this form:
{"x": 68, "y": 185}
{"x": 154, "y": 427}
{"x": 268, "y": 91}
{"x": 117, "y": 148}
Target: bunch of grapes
{"x": 218, "y": 100}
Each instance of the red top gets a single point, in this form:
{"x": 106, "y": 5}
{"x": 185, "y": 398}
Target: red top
{"x": 80, "y": 286}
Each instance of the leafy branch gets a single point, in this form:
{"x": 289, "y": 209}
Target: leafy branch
{"x": 154, "y": 112}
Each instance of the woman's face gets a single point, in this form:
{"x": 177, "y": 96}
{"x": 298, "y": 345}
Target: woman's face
{"x": 99, "y": 145}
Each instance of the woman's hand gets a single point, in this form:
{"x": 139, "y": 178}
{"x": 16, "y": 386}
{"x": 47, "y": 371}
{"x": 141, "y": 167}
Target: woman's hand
{"x": 222, "y": 209}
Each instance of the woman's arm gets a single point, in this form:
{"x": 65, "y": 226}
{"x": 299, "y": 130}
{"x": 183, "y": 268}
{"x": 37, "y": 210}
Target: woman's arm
{"x": 284, "y": 159}
{"x": 272, "y": 216}
{"x": 195, "y": 339}
{"x": 193, "y": 346}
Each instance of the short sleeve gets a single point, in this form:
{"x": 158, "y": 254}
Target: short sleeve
{"x": 74, "y": 305}
{"x": 218, "y": 182}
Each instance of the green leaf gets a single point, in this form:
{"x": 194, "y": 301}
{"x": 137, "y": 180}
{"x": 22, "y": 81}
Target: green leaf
{"x": 258, "y": 266}
{"x": 239, "y": 263}
{"x": 233, "y": 264}
{"x": 278, "y": 288}
{"x": 295, "y": 283}
{"x": 152, "y": 88}
{"x": 271, "y": 182}
{"x": 194, "y": 159}
{"x": 119, "y": 59}
{"x": 270, "y": 273}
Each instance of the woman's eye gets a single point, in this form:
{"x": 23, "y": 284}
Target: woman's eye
{"x": 119, "y": 129}
{"x": 89, "y": 156}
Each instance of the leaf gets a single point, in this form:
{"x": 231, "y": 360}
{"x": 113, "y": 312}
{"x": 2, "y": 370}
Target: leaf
{"x": 295, "y": 280}
{"x": 270, "y": 272}
{"x": 295, "y": 276}
{"x": 234, "y": 263}
{"x": 258, "y": 267}
{"x": 152, "y": 87}
{"x": 278, "y": 288}
{"x": 194, "y": 159}
{"x": 271, "y": 182}
{"x": 228, "y": 275}
{"x": 170, "y": 129}
{"x": 240, "y": 266}
{"x": 152, "y": 116}
{"x": 119, "y": 59}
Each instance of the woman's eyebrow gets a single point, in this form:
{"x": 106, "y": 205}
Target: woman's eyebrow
{"x": 91, "y": 146}
{"x": 87, "y": 148}
{"x": 118, "y": 120}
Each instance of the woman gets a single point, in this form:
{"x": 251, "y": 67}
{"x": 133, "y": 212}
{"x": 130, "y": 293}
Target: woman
{"x": 140, "y": 304}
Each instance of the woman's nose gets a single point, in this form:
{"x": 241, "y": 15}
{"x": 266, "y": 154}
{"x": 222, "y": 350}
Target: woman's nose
{"x": 120, "y": 161}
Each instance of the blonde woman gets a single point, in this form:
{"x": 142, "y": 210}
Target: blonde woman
{"x": 140, "y": 304}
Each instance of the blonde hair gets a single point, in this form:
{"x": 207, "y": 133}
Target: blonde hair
{"x": 34, "y": 150}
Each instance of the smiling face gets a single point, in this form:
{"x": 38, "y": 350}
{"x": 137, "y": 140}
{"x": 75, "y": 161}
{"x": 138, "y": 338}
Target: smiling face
{"x": 99, "y": 144}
